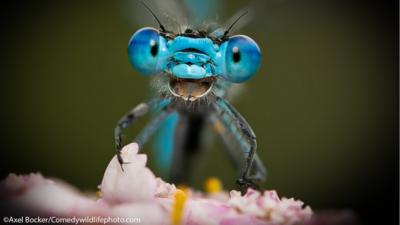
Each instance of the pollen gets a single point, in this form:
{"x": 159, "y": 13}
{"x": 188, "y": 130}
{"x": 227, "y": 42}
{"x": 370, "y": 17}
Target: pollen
{"x": 178, "y": 207}
{"x": 213, "y": 185}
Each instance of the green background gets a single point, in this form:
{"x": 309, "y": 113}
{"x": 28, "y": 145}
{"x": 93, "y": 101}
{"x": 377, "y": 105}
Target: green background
{"x": 324, "y": 104}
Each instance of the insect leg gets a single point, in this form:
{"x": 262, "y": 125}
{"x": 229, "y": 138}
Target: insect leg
{"x": 239, "y": 128}
{"x": 232, "y": 139}
{"x": 226, "y": 136}
{"x": 144, "y": 136}
{"x": 127, "y": 120}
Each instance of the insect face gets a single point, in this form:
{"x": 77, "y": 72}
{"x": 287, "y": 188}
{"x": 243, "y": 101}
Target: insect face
{"x": 193, "y": 63}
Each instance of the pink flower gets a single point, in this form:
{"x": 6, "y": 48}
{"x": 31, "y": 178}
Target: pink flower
{"x": 37, "y": 195}
{"x": 251, "y": 208}
{"x": 135, "y": 183}
{"x": 149, "y": 213}
{"x": 205, "y": 211}
{"x": 164, "y": 189}
{"x": 131, "y": 193}
{"x": 137, "y": 192}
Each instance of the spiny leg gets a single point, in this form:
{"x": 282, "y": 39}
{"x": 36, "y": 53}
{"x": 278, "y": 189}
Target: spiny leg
{"x": 241, "y": 130}
{"x": 127, "y": 120}
{"x": 226, "y": 137}
{"x": 149, "y": 130}
{"x": 232, "y": 140}
{"x": 253, "y": 162}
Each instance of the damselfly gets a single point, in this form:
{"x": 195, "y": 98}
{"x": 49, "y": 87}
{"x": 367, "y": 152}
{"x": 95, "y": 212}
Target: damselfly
{"x": 193, "y": 70}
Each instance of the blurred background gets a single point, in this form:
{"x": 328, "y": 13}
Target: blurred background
{"x": 324, "y": 104}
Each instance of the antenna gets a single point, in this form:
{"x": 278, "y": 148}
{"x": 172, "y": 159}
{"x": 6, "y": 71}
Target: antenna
{"x": 230, "y": 27}
{"x": 155, "y": 17}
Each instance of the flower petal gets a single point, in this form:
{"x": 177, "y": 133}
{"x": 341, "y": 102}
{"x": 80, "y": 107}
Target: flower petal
{"x": 149, "y": 213}
{"x": 135, "y": 183}
{"x": 37, "y": 195}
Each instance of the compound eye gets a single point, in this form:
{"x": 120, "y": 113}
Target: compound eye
{"x": 143, "y": 50}
{"x": 242, "y": 58}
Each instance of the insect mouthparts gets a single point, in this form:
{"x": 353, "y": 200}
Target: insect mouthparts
{"x": 192, "y": 50}
{"x": 190, "y": 89}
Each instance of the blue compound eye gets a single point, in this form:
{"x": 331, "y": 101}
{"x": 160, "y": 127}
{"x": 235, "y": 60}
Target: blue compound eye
{"x": 242, "y": 58}
{"x": 143, "y": 50}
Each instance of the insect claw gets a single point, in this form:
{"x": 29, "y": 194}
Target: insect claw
{"x": 245, "y": 183}
{"x": 122, "y": 165}
{"x": 121, "y": 161}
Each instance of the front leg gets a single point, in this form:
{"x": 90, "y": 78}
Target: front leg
{"x": 127, "y": 120}
{"x": 242, "y": 132}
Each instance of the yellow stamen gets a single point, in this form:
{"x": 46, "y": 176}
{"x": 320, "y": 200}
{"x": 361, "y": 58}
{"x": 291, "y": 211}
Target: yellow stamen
{"x": 183, "y": 188}
{"x": 178, "y": 206}
{"x": 213, "y": 185}
{"x": 99, "y": 194}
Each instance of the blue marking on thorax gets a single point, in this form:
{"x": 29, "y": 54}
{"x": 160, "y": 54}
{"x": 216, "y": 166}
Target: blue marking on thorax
{"x": 164, "y": 144}
{"x": 162, "y": 104}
